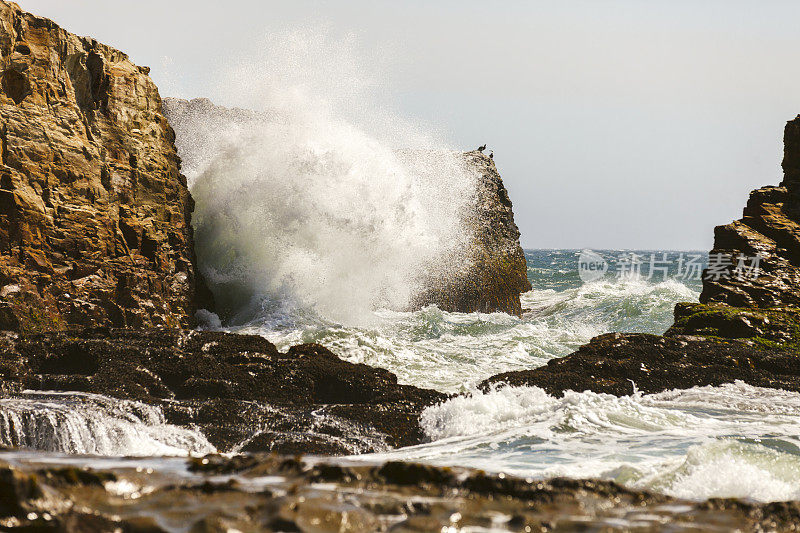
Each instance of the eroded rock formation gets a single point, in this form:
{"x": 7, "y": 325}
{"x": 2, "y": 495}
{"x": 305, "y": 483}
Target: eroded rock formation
{"x": 746, "y": 326}
{"x": 94, "y": 212}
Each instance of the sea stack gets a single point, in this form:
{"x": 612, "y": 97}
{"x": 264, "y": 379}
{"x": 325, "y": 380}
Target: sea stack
{"x": 495, "y": 272}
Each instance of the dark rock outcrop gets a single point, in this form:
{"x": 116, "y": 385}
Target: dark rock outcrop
{"x": 94, "y": 212}
{"x": 237, "y": 389}
{"x": 620, "y": 364}
{"x": 273, "y": 493}
{"x": 746, "y": 326}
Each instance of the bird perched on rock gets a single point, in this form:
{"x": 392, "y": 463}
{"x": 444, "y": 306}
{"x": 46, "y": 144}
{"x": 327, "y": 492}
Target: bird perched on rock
{"x": 482, "y": 148}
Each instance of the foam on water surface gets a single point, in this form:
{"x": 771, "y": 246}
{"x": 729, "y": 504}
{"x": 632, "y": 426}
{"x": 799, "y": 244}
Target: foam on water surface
{"x": 729, "y": 441}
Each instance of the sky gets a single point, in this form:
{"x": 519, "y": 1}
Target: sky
{"x": 615, "y": 124}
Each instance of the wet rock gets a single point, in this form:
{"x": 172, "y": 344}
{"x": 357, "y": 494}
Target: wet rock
{"x": 238, "y": 389}
{"x": 272, "y": 493}
{"x": 619, "y": 364}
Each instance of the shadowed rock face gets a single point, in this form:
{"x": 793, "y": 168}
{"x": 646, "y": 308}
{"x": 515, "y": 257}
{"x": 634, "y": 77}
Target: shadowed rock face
{"x": 94, "y": 213}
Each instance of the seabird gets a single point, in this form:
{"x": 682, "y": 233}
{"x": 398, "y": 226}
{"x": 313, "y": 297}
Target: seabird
{"x": 482, "y": 148}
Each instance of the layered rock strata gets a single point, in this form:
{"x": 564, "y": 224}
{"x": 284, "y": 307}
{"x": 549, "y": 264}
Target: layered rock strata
{"x": 94, "y": 212}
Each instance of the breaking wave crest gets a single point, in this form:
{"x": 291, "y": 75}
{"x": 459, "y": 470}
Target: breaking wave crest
{"x": 454, "y": 351}
{"x": 305, "y": 206}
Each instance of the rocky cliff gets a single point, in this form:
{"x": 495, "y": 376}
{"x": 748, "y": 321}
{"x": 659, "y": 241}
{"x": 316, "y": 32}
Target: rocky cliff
{"x": 746, "y": 326}
{"x": 94, "y": 212}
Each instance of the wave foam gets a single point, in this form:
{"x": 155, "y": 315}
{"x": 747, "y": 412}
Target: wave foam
{"x": 314, "y": 207}
{"x": 729, "y": 441}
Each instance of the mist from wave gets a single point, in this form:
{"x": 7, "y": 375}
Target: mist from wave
{"x": 308, "y": 205}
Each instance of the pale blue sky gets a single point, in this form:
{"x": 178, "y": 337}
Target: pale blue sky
{"x": 629, "y": 124}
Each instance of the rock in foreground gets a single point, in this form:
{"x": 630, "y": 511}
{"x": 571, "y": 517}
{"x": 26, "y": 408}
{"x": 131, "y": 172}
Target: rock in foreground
{"x": 238, "y": 390}
{"x": 259, "y": 493}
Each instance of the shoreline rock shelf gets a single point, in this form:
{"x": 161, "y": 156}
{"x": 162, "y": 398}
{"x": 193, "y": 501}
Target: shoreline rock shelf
{"x": 238, "y": 390}
{"x": 272, "y": 493}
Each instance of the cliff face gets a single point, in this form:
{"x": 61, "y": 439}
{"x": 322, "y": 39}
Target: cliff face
{"x": 94, "y": 212}
{"x": 770, "y": 227}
